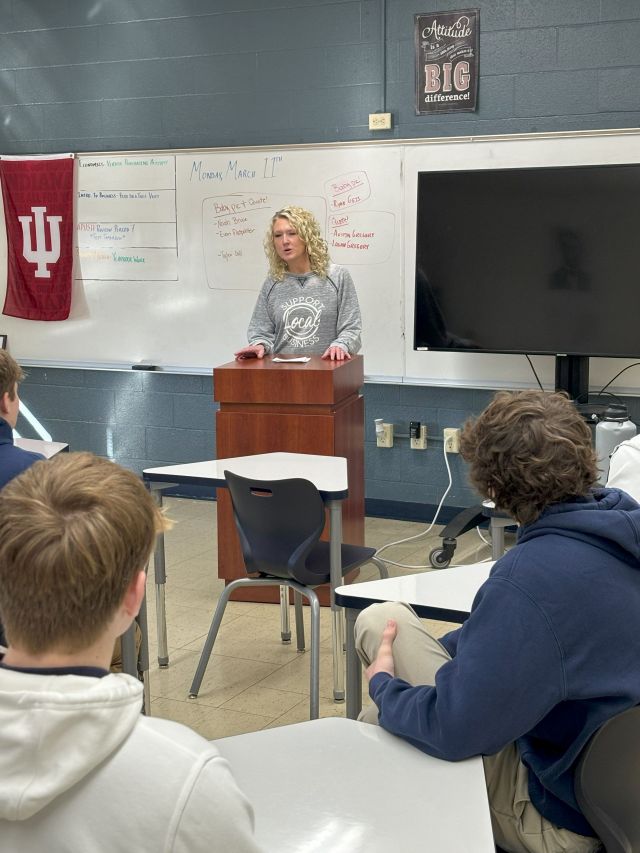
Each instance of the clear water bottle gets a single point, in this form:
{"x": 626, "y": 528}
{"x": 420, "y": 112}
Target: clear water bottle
{"x": 613, "y": 427}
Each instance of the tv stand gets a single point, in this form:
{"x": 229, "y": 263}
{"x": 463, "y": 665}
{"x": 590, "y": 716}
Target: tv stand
{"x": 572, "y": 376}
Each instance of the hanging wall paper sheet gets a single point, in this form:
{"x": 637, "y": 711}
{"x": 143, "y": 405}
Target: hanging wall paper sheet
{"x": 126, "y": 218}
{"x": 447, "y": 61}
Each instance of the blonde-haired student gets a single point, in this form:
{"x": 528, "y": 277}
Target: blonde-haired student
{"x": 80, "y": 767}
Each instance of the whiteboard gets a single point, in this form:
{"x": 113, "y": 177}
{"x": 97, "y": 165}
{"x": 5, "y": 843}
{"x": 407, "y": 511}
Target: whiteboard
{"x": 169, "y": 253}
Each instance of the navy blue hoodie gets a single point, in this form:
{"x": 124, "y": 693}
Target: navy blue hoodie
{"x": 550, "y": 651}
{"x": 13, "y": 460}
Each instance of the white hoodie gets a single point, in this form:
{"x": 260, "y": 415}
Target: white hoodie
{"x": 624, "y": 468}
{"x": 82, "y": 771}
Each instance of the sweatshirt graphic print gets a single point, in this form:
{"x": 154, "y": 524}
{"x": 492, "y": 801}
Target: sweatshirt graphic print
{"x": 307, "y": 313}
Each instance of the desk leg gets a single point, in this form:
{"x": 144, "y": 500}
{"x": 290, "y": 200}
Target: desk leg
{"x": 128, "y": 646}
{"x": 335, "y": 560}
{"x": 497, "y": 538}
{"x": 143, "y": 659}
{"x": 354, "y": 668}
{"x": 132, "y": 664}
{"x": 160, "y": 577}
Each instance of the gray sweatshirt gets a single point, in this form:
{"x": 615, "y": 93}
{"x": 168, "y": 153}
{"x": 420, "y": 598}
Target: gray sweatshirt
{"x": 306, "y": 314}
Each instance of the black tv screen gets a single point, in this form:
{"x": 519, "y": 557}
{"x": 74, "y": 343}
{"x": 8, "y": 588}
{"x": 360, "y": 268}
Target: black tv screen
{"x": 535, "y": 260}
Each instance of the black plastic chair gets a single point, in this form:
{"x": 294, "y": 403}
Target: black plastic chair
{"x": 607, "y": 782}
{"x": 279, "y": 524}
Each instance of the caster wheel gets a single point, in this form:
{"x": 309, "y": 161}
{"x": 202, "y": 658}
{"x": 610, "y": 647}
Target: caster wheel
{"x": 439, "y": 559}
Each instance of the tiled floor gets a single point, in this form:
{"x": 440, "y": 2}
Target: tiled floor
{"x": 253, "y": 681}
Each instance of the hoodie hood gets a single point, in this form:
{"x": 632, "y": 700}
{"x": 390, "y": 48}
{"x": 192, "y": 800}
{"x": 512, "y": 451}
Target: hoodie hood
{"x": 55, "y": 729}
{"x": 606, "y": 518}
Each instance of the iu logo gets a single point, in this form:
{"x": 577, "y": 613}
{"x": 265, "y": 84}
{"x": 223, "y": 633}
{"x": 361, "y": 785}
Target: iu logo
{"x": 41, "y": 255}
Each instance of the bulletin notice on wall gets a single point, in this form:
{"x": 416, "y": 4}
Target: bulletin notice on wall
{"x": 126, "y": 218}
{"x": 447, "y": 57}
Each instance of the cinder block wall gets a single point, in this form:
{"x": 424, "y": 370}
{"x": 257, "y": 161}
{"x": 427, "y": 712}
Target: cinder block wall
{"x": 82, "y": 75}
{"x": 88, "y": 76}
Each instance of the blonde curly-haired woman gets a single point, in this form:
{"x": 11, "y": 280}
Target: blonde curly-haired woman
{"x": 307, "y": 305}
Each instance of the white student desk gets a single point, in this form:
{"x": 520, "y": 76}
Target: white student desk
{"x": 338, "y": 786}
{"x": 445, "y": 595}
{"x": 45, "y": 448}
{"x": 327, "y": 473}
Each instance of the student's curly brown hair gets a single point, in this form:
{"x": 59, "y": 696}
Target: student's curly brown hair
{"x": 527, "y": 450}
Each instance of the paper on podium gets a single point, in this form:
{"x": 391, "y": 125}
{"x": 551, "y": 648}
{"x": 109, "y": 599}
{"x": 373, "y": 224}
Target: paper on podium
{"x": 303, "y": 359}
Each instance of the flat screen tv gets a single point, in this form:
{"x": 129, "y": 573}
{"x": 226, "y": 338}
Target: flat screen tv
{"x": 530, "y": 260}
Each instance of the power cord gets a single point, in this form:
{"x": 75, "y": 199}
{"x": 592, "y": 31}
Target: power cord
{"x": 479, "y": 532}
{"x": 534, "y": 372}
{"x": 619, "y": 373}
{"x": 424, "y": 532}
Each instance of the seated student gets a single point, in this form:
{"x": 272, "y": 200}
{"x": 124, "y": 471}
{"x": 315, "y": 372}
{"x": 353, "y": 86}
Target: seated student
{"x": 624, "y": 467}
{"x": 13, "y": 460}
{"x": 81, "y": 768}
{"x": 550, "y": 650}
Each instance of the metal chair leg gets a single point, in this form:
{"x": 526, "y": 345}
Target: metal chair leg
{"x": 297, "y": 602}
{"x": 285, "y": 626}
{"x": 314, "y": 665}
{"x": 314, "y": 607}
{"x": 211, "y": 636}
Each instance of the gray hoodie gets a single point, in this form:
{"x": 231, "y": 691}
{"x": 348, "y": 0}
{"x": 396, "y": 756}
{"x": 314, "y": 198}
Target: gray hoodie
{"x": 306, "y": 314}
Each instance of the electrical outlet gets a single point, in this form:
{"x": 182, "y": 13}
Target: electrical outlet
{"x": 379, "y": 121}
{"x": 452, "y": 440}
{"x": 420, "y": 442}
{"x": 385, "y": 438}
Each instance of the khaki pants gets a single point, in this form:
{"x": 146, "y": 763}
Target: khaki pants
{"x": 517, "y": 825}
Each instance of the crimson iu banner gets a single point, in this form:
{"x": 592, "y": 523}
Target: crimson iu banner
{"x": 37, "y": 194}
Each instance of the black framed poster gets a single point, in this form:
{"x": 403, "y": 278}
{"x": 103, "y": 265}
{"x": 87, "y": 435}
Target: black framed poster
{"x": 447, "y": 61}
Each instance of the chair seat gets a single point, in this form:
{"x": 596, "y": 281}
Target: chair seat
{"x": 607, "y": 782}
{"x": 352, "y": 557}
{"x": 317, "y": 563}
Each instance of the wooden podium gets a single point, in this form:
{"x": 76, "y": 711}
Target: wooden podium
{"x": 266, "y": 407}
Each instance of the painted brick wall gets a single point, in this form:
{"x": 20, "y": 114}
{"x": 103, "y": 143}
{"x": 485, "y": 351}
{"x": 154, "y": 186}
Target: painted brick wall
{"x": 140, "y": 419}
{"x": 85, "y": 75}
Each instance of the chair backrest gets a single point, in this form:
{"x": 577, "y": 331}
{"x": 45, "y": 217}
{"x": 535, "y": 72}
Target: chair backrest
{"x": 607, "y": 782}
{"x": 278, "y": 521}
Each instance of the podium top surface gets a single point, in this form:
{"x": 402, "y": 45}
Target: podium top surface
{"x": 261, "y": 380}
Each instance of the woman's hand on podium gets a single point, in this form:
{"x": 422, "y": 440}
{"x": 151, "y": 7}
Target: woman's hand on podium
{"x": 252, "y": 351}
{"x": 335, "y": 354}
